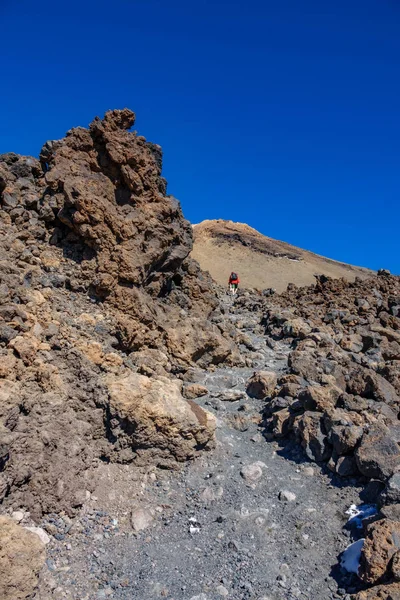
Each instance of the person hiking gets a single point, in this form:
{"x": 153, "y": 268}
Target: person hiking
{"x": 233, "y": 282}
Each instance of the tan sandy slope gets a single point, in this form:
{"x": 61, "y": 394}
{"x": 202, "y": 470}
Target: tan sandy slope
{"x": 261, "y": 262}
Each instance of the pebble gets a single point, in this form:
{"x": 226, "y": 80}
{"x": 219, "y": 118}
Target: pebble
{"x": 251, "y": 473}
{"x": 222, "y": 591}
{"x": 308, "y": 471}
{"x": 210, "y": 494}
{"x": 284, "y": 495}
{"x": 17, "y": 516}
{"x": 141, "y": 519}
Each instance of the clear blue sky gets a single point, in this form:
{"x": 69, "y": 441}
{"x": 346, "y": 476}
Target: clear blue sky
{"x": 284, "y": 114}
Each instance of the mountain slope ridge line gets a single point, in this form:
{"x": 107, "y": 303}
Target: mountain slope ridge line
{"x": 262, "y": 262}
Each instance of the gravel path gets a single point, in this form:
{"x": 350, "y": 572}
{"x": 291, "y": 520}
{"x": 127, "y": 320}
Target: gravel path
{"x": 251, "y": 520}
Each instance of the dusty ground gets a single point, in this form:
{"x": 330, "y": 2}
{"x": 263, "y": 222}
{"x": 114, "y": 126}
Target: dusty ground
{"x": 261, "y": 262}
{"x": 215, "y": 529}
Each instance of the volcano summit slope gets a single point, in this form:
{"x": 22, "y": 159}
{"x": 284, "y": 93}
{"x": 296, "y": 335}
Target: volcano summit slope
{"x": 262, "y": 262}
{"x": 158, "y": 437}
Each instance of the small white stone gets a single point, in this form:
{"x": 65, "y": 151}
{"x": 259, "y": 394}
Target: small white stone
{"x": 17, "y": 515}
{"x": 287, "y": 496}
{"x": 222, "y": 591}
{"x": 141, "y": 519}
{"x": 40, "y": 533}
{"x": 309, "y": 471}
{"x": 193, "y": 530}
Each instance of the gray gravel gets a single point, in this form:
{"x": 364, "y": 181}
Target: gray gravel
{"x": 251, "y": 520}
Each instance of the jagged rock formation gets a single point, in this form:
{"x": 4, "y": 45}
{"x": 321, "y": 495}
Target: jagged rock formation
{"x": 95, "y": 283}
{"x": 261, "y": 262}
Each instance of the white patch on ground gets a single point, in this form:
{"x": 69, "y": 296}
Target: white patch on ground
{"x": 350, "y": 560}
{"x": 40, "y": 533}
{"x": 360, "y": 512}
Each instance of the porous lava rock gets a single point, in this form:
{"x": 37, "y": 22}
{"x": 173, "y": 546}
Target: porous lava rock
{"x": 96, "y": 281}
{"x": 341, "y": 394}
{"x": 149, "y": 416}
{"x": 22, "y": 557}
{"x": 381, "y": 543}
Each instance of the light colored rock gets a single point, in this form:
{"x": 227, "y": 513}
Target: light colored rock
{"x": 49, "y": 259}
{"x": 22, "y": 556}
{"x": 17, "y": 515}
{"x": 92, "y": 350}
{"x": 308, "y": 471}
{"x": 222, "y": 591}
{"x": 141, "y": 518}
{"x": 251, "y": 473}
{"x": 161, "y": 422}
{"x": 232, "y": 396}
{"x": 211, "y": 494}
{"x": 42, "y": 535}
{"x": 296, "y": 327}
{"x": 287, "y": 496}
{"x": 26, "y": 348}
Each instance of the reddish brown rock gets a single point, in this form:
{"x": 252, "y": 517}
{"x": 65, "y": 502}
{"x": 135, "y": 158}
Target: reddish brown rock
{"x": 389, "y": 591}
{"x": 262, "y": 384}
{"x": 382, "y": 542}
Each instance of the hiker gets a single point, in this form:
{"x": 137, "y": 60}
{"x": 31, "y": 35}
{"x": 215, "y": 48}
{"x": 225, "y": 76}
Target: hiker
{"x": 233, "y": 282}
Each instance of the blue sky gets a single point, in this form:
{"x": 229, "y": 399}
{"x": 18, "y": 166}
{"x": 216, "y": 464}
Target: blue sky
{"x": 284, "y": 115}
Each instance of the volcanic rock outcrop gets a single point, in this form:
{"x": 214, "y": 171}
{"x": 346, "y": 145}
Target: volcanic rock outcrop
{"x": 341, "y": 394}
{"x": 96, "y": 290}
{"x": 340, "y": 397}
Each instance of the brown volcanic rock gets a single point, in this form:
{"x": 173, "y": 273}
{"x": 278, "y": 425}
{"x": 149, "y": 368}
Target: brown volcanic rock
{"x": 151, "y": 417}
{"x": 22, "y": 556}
{"x": 113, "y": 198}
{"x": 382, "y": 542}
{"x": 95, "y": 280}
{"x": 381, "y": 592}
{"x": 341, "y": 366}
{"x": 378, "y": 455}
{"x": 261, "y": 384}
{"x": 261, "y": 262}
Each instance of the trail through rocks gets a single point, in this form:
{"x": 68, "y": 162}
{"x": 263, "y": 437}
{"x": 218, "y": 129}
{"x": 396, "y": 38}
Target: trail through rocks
{"x": 250, "y": 520}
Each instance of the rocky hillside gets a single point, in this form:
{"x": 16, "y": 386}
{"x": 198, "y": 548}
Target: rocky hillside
{"x": 261, "y": 262}
{"x": 97, "y": 294}
{"x": 121, "y": 362}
